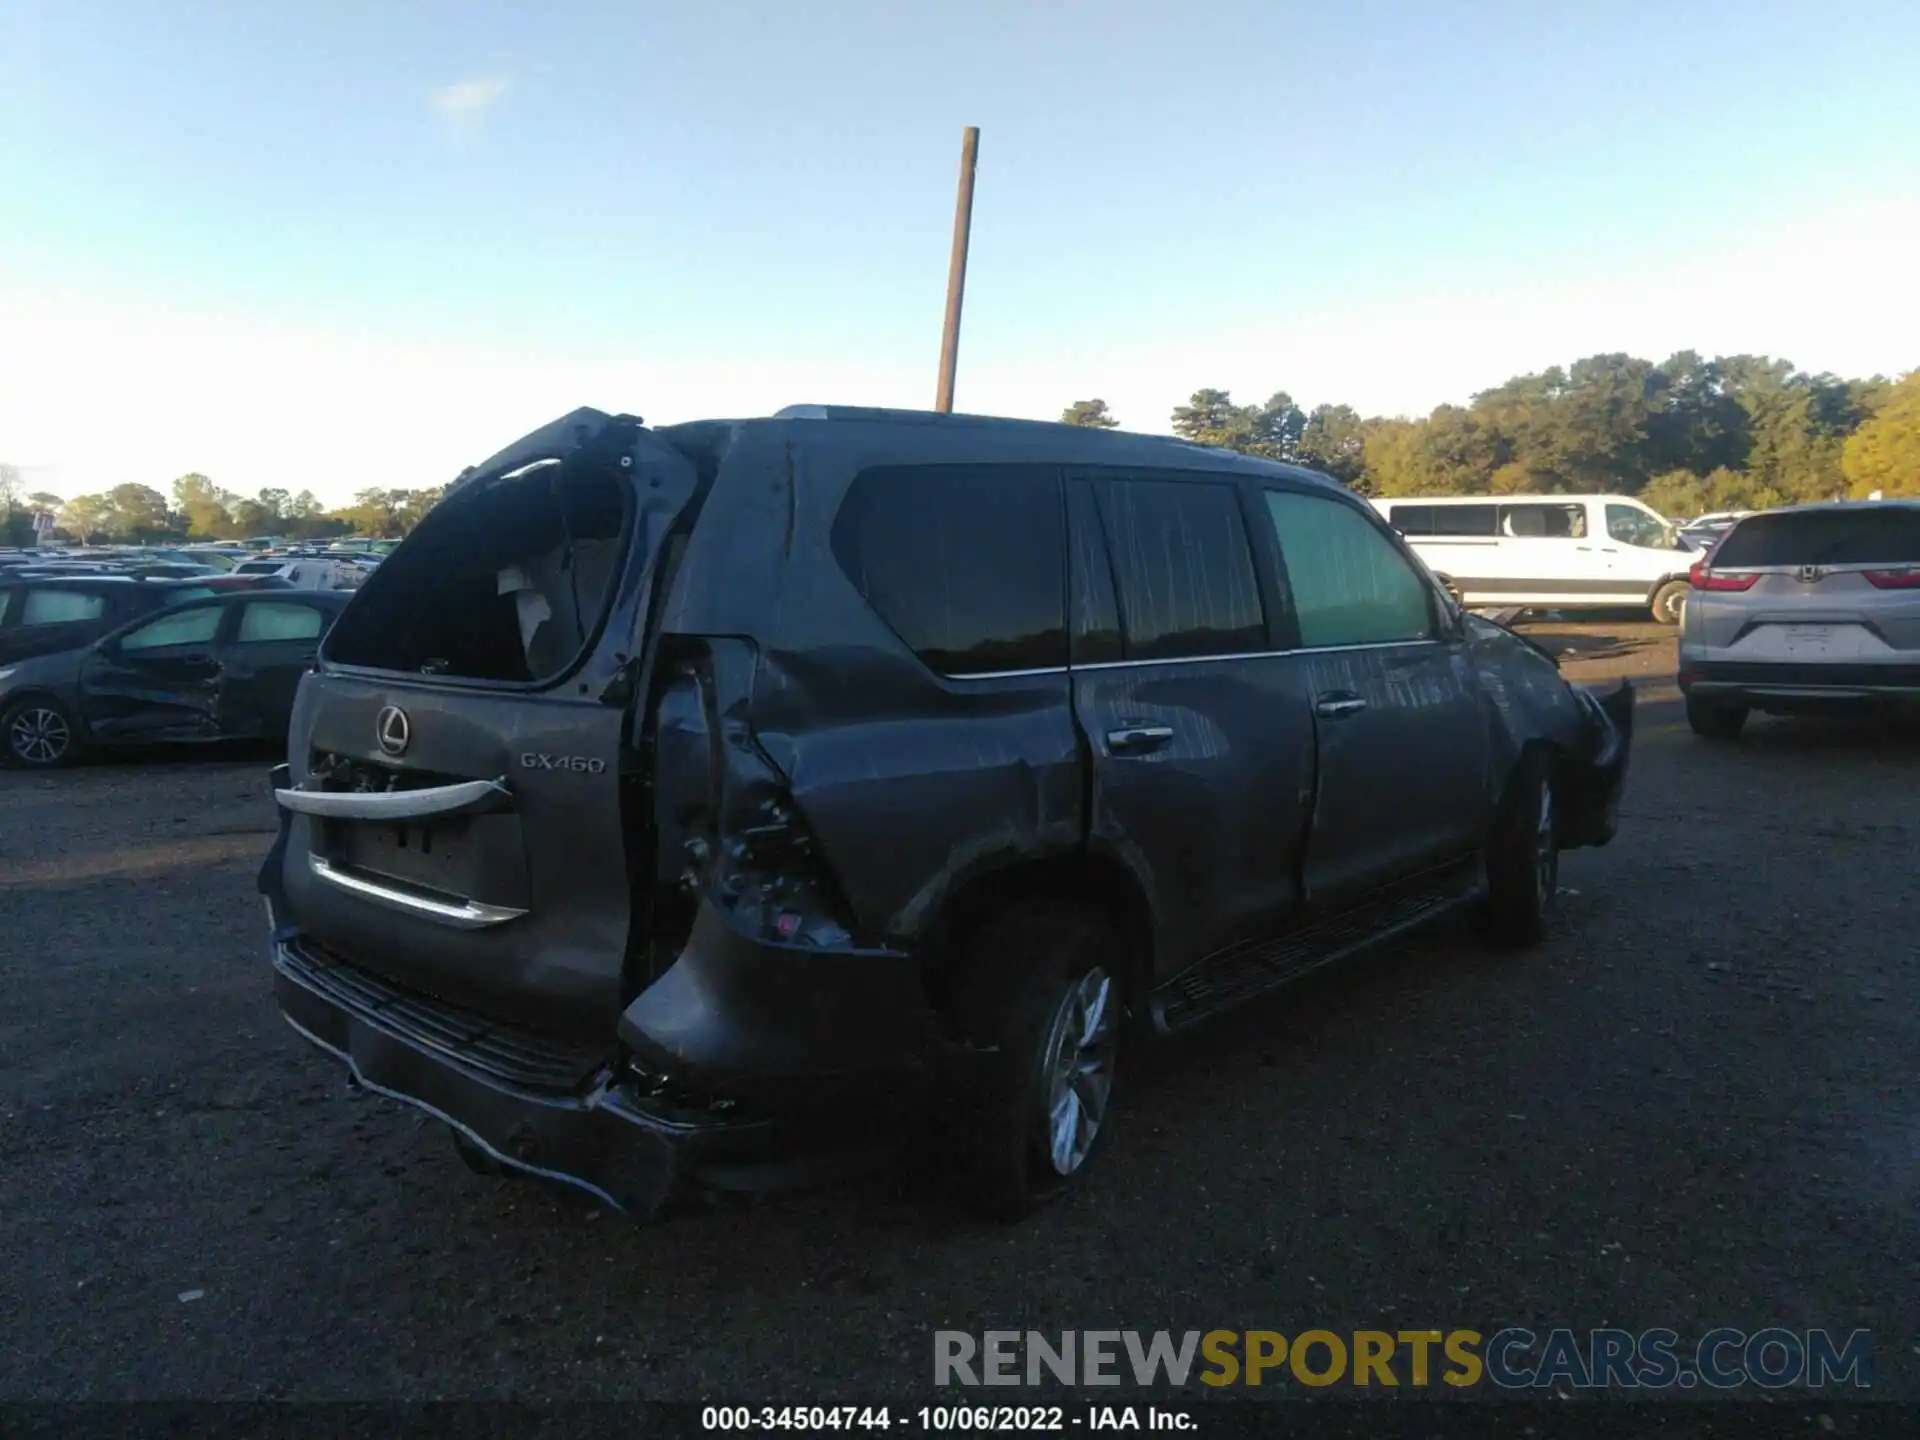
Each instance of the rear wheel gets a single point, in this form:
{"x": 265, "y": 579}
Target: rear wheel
{"x": 38, "y": 733}
{"x": 1670, "y": 601}
{"x": 1523, "y": 857}
{"x": 1716, "y": 719}
{"x": 1040, "y": 1003}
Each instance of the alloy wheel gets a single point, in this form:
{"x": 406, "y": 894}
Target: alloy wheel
{"x": 39, "y": 735}
{"x": 1077, "y": 1066}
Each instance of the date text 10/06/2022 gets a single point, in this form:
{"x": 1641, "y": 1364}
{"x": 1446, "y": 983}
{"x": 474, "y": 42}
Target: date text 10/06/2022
{"x": 936, "y": 1419}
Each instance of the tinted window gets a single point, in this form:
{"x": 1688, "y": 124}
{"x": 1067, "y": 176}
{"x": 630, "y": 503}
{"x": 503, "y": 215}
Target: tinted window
{"x": 1631, "y": 525}
{"x": 264, "y": 620}
{"x": 61, "y": 607}
{"x": 966, "y": 563}
{"x": 1466, "y": 520}
{"x": 1184, "y": 570}
{"x": 1867, "y": 536}
{"x": 1411, "y": 519}
{"x": 1349, "y": 585}
{"x": 190, "y": 592}
{"x": 188, "y": 627}
{"x": 1096, "y": 609}
{"x": 1544, "y": 522}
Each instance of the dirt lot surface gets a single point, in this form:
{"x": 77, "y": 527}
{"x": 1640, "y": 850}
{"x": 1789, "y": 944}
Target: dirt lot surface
{"x": 1696, "y": 1106}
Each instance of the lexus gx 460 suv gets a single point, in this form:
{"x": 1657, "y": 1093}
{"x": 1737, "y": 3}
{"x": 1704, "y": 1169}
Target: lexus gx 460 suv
{"x": 672, "y": 800}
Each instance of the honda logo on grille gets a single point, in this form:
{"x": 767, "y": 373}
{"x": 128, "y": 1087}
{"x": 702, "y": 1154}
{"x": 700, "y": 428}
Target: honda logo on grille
{"x": 1811, "y": 573}
{"x": 392, "y": 729}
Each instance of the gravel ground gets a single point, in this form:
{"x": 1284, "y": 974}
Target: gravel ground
{"x": 1694, "y": 1107}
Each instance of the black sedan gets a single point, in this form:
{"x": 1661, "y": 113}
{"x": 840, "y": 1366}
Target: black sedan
{"x": 223, "y": 668}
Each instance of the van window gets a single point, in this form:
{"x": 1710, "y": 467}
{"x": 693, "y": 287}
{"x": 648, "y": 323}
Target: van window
{"x": 1411, "y": 519}
{"x": 965, "y": 563}
{"x": 1184, "y": 570}
{"x": 61, "y": 607}
{"x": 1544, "y": 522}
{"x": 1870, "y": 535}
{"x": 1349, "y": 585}
{"x": 507, "y": 582}
{"x": 1631, "y": 525}
{"x": 1466, "y": 520}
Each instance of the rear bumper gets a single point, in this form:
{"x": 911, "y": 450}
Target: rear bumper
{"x": 1802, "y": 687}
{"x": 605, "y": 1136}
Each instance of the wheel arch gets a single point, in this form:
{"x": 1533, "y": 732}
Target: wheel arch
{"x": 1082, "y": 877}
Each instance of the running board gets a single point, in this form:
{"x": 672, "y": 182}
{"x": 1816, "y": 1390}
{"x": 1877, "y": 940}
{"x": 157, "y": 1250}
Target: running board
{"x": 1224, "y": 980}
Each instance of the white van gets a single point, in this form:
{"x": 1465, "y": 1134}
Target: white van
{"x": 1559, "y": 552}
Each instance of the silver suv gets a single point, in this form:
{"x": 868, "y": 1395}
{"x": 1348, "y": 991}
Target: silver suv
{"x": 1814, "y": 608}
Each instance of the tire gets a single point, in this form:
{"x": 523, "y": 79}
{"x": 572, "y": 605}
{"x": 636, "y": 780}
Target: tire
{"x": 1039, "y": 1000}
{"x": 37, "y": 733}
{"x": 1523, "y": 857}
{"x": 1716, "y": 719}
{"x": 1670, "y": 601}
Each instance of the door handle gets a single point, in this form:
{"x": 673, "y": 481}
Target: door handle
{"x": 1337, "y": 704}
{"x": 1137, "y": 739}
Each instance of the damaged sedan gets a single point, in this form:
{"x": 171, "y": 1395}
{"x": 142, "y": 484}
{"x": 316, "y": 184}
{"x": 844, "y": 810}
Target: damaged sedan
{"x": 674, "y": 800}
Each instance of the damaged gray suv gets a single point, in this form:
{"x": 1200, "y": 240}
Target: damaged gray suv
{"x": 674, "y": 800}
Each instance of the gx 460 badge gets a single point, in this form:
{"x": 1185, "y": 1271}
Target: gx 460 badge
{"x": 579, "y": 764}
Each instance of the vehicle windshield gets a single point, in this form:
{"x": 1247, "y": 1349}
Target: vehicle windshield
{"x": 1867, "y": 536}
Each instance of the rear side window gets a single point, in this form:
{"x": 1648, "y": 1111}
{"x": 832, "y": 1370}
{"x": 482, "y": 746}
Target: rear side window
{"x": 1411, "y": 519}
{"x": 1472, "y": 520}
{"x": 1184, "y": 570}
{"x": 1868, "y": 536}
{"x": 1544, "y": 522}
{"x": 965, "y": 563}
{"x": 61, "y": 607}
{"x": 265, "y": 620}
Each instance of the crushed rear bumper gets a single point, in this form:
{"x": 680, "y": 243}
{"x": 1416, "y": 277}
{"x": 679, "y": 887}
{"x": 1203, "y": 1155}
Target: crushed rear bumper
{"x": 532, "y": 1104}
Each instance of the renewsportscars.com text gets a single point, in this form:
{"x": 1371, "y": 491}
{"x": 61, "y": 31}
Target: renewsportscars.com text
{"x": 1514, "y": 1358}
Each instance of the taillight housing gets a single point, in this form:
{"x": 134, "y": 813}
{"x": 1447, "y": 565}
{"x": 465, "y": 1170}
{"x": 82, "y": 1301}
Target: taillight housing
{"x": 1701, "y": 577}
{"x": 1905, "y": 578}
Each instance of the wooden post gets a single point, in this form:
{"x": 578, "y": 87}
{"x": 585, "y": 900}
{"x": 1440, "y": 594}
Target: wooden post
{"x": 957, "y": 269}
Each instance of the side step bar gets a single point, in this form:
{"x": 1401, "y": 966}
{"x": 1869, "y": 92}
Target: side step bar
{"x": 1223, "y": 980}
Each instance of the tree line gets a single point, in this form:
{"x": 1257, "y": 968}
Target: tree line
{"x": 1688, "y": 435}
{"x": 198, "y": 509}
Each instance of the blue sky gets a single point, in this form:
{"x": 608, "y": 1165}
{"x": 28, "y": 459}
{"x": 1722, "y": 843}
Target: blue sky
{"x": 270, "y": 242}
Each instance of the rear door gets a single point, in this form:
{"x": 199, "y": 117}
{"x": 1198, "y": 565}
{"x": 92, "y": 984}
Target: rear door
{"x": 1554, "y": 558}
{"x": 272, "y": 645}
{"x": 1403, "y": 780}
{"x": 159, "y": 680}
{"x": 1199, "y": 732}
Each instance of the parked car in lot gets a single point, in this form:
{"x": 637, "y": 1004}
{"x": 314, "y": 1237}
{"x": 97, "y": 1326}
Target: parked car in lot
{"x": 221, "y": 668}
{"x": 1561, "y": 552}
{"x": 305, "y": 572}
{"x": 42, "y": 616}
{"x": 670, "y": 794}
{"x": 1807, "y": 609}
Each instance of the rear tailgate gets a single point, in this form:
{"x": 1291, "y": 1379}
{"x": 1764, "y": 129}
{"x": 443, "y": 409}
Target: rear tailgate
{"x": 468, "y": 837}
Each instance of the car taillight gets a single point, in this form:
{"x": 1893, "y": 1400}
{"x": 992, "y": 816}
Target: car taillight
{"x": 1702, "y": 578}
{"x": 1907, "y": 578}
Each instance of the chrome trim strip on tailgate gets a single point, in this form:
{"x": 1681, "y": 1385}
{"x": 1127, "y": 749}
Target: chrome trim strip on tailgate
{"x": 463, "y": 915}
{"x": 396, "y": 805}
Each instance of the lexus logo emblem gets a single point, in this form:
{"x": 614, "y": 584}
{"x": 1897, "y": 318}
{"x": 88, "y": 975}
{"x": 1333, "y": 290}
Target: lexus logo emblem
{"x": 393, "y": 730}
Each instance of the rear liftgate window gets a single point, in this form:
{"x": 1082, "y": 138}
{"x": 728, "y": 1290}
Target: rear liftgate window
{"x": 1823, "y": 537}
{"x": 507, "y": 584}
